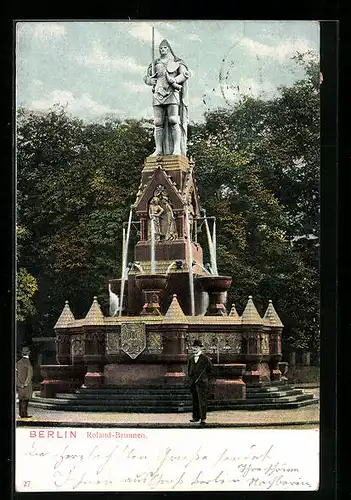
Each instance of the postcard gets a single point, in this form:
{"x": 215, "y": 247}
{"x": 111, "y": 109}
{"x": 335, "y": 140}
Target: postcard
{"x": 168, "y": 332}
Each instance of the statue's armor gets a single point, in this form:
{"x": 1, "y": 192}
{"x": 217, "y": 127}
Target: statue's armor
{"x": 164, "y": 93}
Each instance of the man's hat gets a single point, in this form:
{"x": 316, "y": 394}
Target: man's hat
{"x": 25, "y": 350}
{"x": 197, "y": 343}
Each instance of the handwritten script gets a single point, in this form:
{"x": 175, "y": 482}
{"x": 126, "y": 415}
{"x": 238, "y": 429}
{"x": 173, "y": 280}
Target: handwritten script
{"x": 166, "y": 460}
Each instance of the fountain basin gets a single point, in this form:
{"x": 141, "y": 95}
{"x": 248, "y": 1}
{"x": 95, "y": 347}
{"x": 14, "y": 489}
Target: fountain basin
{"x": 151, "y": 281}
{"x": 214, "y": 283}
{"x": 216, "y": 287}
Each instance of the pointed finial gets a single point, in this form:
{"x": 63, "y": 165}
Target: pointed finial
{"x": 94, "y": 316}
{"x": 234, "y": 316}
{"x": 250, "y": 314}
{"x": 66, "y": 317}
{"x": 175, "y": 313}
{"x": 271, "y": 317}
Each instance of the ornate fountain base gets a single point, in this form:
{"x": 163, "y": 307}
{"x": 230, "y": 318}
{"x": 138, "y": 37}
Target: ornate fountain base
{"x": 229, "y": 384}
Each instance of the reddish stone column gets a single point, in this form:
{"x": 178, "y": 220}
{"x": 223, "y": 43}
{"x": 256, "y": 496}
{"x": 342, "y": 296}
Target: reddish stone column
{"x": 253, "y": 356}
{"x": 94, "y": 358}
{"x": 63, "y": 330}
{"x": 173, "y": 339}
{"x": 272, "y": 320}
{"x": 94, "y": 333}
{"x": 276, "y": 353}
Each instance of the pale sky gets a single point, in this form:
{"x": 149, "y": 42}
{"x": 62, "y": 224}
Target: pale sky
{"x": 97, "y": 68}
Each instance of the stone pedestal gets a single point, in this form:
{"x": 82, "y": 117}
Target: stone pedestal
{"x": 151, "y": 286}
{"x": 283, "y": 366}
{"x": 60, "y": 378}
{"x": 176, "y": 166}
{"x": 229, "y": 384}
{"x": 276, "y": 374}
{"x": 94, "y": 376}
{"x": 257, "y": 372}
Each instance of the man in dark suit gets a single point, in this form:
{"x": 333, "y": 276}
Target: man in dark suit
{"x": 24, "y": 375}
{"x": 199, "y": 368}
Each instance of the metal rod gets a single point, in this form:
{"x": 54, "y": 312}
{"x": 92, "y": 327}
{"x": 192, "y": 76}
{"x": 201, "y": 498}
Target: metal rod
{"x": 210, "y": 246}
{"x": 124, "y": 261}
{"x": 214, "y": 243}
{"x": 153, "y": 51}
{"x": 190, "y": 264}
{"x": 153, "y": 258}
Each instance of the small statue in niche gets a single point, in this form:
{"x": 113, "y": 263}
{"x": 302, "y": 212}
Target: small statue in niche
{"x": 162, "y": 210}
{"x": 155, "y": 212}
{"x": 168, "y": 220}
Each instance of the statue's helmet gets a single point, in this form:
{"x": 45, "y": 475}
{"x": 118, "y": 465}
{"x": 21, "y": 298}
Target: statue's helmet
{"x": 166, "y": 43}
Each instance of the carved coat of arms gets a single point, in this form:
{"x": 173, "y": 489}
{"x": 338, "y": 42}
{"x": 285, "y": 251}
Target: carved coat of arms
{"x": 133, "y": 338}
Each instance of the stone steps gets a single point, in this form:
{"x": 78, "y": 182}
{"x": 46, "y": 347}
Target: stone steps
{"x": 168, "y": 409}
{"x": 148, "y": 399}
{"x": 273, "y": 394}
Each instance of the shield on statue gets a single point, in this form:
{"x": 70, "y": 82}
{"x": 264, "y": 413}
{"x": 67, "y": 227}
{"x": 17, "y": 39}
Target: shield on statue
{"x": 133, "y": 338}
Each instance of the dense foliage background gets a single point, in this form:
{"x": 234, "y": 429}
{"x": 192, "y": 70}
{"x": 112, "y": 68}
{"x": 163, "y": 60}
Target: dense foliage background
{"x": 257, "y": 171}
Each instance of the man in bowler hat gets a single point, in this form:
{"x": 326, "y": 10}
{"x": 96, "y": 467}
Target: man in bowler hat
{"x": 199, "y": 368}
{"x": 24, "y": 375}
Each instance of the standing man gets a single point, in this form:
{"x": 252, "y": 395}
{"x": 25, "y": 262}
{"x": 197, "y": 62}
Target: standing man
{"x": 168, "y": 77}
{"x": 24, "y": 375}
{"x": 199, "y": 368}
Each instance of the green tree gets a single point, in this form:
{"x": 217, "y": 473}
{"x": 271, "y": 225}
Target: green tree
{"x": 262, "y": 159}
{"x": 26, "y": 284}
{"x": 76, "y": 182}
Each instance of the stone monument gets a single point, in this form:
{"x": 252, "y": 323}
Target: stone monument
{"x": 168, "y": 297}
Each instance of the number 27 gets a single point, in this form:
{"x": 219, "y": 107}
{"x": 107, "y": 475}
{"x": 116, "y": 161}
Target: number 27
{"x": 26, "y": 484}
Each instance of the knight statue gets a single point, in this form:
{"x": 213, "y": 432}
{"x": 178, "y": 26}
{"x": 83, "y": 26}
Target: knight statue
{"x": 168, "y": 77}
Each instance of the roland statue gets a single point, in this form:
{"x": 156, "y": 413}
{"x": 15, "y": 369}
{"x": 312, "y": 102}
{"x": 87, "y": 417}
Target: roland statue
{"x": 168, "y": 77}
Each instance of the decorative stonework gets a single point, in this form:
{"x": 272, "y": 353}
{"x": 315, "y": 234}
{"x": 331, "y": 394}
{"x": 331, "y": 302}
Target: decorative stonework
{"x": 227, "y": 343}
{"x": 63, "y": 338}
{"x": 133, "y": 338}
{"x": 154, "y": 343}
{"x": 77, "y": 345}
{"x": 112, "y": 343}
{"x": 265, "y": 343}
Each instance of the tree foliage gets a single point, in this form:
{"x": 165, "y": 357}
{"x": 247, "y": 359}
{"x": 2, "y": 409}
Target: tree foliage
{"x": 26, "y": 284}
{"x": 257, "y": 170}
{"x": 262, "y": 158}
